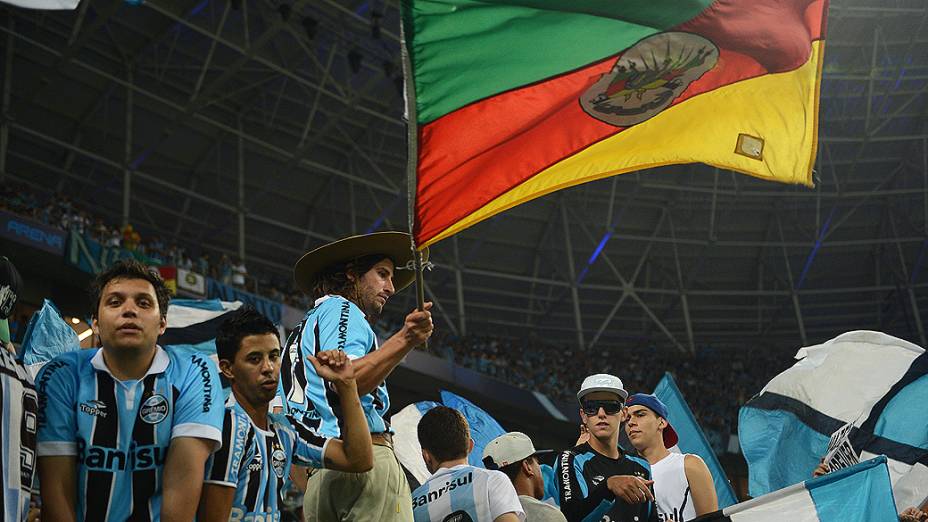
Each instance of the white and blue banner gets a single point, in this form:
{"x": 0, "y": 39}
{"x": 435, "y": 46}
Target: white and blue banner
{"x": 692, "y": 439}
{"x": 860, "y": 493}
{"x": 483, "y": 429}
{"x": 192, "y": 325}
{"x": 874, "y": 382}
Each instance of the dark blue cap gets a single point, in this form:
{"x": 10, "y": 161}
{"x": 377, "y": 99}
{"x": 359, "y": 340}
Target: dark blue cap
{"x": 654, "y": 404}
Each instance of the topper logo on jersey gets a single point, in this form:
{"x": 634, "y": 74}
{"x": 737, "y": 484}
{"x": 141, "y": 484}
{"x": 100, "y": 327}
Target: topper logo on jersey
{"x": 458, "y": 516}
{"x": 110, "y": 459}
{"x": 154, "y": 409}
{"x": 94, "y": 408}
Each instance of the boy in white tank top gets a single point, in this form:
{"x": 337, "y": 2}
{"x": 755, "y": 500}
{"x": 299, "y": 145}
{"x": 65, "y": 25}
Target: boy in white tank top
{"x": 683, "y": 488}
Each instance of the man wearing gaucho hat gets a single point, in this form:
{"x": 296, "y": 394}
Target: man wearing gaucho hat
{"x": 351, "y": 281}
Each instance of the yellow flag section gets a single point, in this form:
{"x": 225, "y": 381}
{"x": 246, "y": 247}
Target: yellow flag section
{"x": 756, "y": 126}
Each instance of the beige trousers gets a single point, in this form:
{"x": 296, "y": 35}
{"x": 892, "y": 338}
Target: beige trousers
{"x": 381, "y": 494}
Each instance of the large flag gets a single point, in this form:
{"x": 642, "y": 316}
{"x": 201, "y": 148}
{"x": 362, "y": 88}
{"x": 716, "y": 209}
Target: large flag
{"x": 872, "y": 384}
{"x": 692, "y": 439}
{"x": 857, "y": 494}
{"x": 515, "y": 99}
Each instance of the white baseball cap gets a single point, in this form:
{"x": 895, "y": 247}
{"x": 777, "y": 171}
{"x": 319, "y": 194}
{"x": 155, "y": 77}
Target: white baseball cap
{"x": 602, "y": 382}
{"x": 508, "y": 449}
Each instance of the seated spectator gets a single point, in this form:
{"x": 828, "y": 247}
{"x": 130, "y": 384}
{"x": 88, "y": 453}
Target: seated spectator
{"x": 238, "y": 273}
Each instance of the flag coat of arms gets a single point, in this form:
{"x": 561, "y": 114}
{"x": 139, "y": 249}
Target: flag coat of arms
{"x": 514, "y": 99}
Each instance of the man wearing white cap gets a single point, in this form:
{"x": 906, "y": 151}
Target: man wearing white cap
{"x": 683, "y": 485}
{"x": 515, "y": 455}
{"x": 597, "y": 481}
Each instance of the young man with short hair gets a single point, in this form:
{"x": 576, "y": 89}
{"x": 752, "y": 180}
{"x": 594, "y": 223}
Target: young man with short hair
{"x": 351, "y": 281}
{"x": 514, "y": 454}
{"x": 683, "y": 487}
{"x": 244, "y": 479}
{"x": 597, "y": 480}
{"x": 125, "y": 430}
{"x": 456, "y": 490}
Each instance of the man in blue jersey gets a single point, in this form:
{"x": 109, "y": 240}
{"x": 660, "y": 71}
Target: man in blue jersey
{"x": 597, "y": 481}
{"x": 245, "y": 478}
{"x": 125, "y": 430}
{"x": 457, "y": 491}
{"x": 351, "y": 281}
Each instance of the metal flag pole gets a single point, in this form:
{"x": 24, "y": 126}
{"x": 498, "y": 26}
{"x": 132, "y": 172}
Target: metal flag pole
{"x": 412, "y": 156}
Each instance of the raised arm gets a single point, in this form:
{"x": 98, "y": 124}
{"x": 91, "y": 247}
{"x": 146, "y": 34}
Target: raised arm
{"x": 354, "y": 452}
{"x": 373, "y": 368}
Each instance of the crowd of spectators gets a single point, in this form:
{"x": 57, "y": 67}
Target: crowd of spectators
{"x": 714, "y": 382}
{"x": 58, "y": 210}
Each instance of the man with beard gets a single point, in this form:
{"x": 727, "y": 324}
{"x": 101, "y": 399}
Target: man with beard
{"x": 351, "y": 281}
{"x": 245, "y": 477}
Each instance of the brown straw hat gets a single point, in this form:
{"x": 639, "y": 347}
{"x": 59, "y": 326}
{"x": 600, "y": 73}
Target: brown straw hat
{"x": 394, "y": 245}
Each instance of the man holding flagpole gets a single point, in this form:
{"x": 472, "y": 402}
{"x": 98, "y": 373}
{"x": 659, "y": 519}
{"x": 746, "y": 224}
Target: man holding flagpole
{"x": 351, "y": 281}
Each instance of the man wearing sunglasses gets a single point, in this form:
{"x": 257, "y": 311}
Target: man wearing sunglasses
{"x": 597, "y": 481}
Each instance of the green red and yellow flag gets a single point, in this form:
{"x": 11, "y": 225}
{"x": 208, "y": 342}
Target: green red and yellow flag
{"x": 515, "y": 99}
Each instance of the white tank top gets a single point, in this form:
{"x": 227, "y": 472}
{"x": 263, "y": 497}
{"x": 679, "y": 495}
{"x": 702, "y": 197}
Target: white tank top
{"x": 672, "y": 490}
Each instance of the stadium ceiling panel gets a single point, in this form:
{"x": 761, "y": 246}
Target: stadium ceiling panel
{"x": 290, "y": 114}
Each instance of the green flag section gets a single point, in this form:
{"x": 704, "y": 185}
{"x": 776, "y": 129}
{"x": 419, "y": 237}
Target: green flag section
{"x": 518, "y": 98}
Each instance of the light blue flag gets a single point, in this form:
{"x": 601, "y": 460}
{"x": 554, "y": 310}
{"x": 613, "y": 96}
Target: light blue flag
{"x": 47, "y": 336}
{"x": 860, "y": 493}
{"x": 483, "y": 427}
{"x": 692, "y": 439}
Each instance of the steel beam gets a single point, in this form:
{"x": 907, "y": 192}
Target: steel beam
{"x": 574, "y": 294}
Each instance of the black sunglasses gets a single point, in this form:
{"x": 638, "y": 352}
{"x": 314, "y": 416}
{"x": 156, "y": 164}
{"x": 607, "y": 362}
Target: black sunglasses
{"x": 592, "y": 407}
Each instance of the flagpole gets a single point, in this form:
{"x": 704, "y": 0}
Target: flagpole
{"x": 412, "y": 157}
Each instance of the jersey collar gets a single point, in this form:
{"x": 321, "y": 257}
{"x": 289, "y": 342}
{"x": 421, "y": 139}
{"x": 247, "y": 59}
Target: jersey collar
{"x": 158, "y": 365}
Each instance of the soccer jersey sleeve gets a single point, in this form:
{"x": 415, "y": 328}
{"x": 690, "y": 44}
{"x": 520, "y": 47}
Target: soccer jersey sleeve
{"x": 503, "y": 497}
{"x": 56, "y": 386}
{"x": 308, "y": 446}
{"x": 577, "y": 498}
{"x": 224, "y": 465}
{"x": 342, "y": 326}
{"x": 198, "y": 404}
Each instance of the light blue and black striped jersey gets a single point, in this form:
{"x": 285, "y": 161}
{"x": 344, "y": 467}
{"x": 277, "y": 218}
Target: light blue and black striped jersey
{"x": 120, "y": 431}
{"x": 465, "y": 493}
{"x": 257, "y": 462}
{"x": 333, "y": 323}
{"x": 18, "y": 407}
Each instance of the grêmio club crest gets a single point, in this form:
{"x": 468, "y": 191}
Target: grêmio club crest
{"x": 648, "y": 77}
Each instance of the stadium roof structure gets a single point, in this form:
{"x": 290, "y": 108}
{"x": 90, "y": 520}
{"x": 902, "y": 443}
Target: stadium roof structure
{"x": 265, "y": 128}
